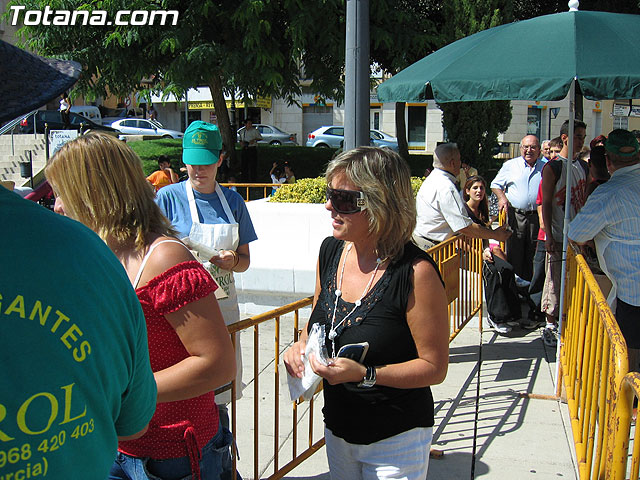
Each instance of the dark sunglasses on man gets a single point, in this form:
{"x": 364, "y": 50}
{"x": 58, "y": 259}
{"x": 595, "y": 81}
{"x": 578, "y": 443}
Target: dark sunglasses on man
{"x": 346, "y": 201}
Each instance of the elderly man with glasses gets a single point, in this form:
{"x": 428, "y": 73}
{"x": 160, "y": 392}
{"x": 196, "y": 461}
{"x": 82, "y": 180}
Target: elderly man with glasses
{"x": 516, "y": 186}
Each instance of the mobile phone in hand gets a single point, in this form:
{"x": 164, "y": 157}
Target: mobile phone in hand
{"x": 354, "y": 351}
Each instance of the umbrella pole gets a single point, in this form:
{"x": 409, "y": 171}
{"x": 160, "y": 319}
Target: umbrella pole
{"x": 565, "y": 227}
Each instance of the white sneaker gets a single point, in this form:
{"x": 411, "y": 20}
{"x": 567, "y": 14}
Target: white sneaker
{"x": 501, "y": 328}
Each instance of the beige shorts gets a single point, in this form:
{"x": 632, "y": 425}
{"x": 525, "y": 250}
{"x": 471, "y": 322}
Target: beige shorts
{"x": 551, "y": 290}
{"x": 422, "y": 243}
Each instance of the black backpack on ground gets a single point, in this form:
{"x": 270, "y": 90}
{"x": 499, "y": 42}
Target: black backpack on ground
{"x": 500, "y": 291}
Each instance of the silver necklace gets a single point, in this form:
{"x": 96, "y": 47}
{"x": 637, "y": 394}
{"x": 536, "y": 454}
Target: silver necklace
{"x": 332, "y": 333}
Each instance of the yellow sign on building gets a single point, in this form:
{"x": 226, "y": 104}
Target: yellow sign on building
{"x": 201, "y": 105}
{"x": 263, "y": 102}
{"x": 260, "y": 102}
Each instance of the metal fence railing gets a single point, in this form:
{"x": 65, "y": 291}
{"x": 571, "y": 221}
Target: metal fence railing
{"x": 593, "y": 362}
{"x": 253, "y": 191}
{"x": 265, "y": 414}
{"x": 460, "y": 263}
{"x": 624, "y": 424}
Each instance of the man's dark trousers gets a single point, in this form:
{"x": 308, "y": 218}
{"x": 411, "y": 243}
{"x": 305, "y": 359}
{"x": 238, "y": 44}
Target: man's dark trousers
{"x": 521, "y": 246}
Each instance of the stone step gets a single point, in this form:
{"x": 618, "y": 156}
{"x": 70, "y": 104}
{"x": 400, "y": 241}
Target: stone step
{"x": 36, "y": 157}
{"x": 14, "y": 149}
{"x": 10, "y": 168}
{"x": 21, "y": 139}
{"x": 37, "y": 149}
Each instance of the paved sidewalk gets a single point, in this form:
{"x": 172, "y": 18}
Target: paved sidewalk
{"x": 517, "y": 437}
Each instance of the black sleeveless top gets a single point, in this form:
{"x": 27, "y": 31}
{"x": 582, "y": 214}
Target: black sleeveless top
{"x": 367, "y": 415}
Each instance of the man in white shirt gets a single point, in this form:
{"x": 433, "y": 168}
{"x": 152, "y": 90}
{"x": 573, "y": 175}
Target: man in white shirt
{"x": 249, "y": 138}
{"x": 516, "y": 186}
{"x": 441, "y": 210}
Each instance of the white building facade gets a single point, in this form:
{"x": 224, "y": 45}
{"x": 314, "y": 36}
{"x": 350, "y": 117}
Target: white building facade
{"x": 423, "y": 120}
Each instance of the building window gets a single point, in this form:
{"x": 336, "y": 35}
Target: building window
{"x": 621, "y": 122}
{"x": 417, "y": 125}
{"x": 533, "y": 121}
{"x": 375, "y": 123}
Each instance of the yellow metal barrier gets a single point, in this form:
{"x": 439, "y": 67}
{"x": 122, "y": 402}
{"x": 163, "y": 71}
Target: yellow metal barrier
{"x": 593, "y": 362}
{"x": 459, "y": 260}
{"x": 266, "y": 188}
{"x": 502, "y": 220}
{"x": 460, "y": 263}
{"x": 263, "y": 409}
{"x": 625, "y": 418}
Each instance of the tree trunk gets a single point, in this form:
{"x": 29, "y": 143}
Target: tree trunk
{"x": 401, "y": 131}
{"x": 222, "y": 114}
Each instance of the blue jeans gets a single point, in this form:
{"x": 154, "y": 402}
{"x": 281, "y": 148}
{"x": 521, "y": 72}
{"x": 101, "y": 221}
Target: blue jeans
{"x": 216, "y": 458}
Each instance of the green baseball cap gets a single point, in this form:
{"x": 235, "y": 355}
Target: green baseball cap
{"x": 622, "y": 142}
{"x": 201, "y": 144}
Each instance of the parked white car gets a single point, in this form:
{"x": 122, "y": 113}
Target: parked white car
{"x": 88, "y": 111}
{"x": 139, "y": 126}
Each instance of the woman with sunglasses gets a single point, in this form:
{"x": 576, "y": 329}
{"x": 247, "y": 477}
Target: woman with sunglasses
{"x": 99, "y": 182}
{"x": 374, "y": 286}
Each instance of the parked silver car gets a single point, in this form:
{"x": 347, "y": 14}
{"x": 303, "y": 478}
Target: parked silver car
{"x": 140, "y": 126}
{"x": 382, "y": 139}
{"x": 273, "y": 135}
{"x": 333, "y": 137}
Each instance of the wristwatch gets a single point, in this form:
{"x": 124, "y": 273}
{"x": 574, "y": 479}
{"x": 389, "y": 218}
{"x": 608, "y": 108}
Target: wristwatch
{"x": 369, "y": 379}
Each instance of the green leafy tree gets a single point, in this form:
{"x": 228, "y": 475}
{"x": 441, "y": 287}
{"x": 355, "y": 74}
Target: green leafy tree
{"x": 256, "y": 47}
{"x": 402, "y": 33}
{"x": 475, "y": 126}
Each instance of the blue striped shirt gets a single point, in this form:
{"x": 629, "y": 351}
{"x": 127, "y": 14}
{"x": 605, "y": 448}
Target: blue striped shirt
{"x": 614, "y": 209}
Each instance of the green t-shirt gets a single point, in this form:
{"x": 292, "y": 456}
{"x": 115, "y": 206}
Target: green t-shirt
{"x": 73, "y": 348}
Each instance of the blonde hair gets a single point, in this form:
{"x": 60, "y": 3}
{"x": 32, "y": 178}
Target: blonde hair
{"x": 385, "y": 179}
{"x": 101, "y": 183}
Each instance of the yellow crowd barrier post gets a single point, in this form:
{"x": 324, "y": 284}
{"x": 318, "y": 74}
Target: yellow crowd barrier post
{"x": 624, "y": 417}
{"x": 266, "y": 188}
{"x": 593, "y": 361}
{"x": 502, "y": 220}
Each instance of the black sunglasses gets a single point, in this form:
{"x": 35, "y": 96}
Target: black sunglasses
{"x": 346, "y": 201}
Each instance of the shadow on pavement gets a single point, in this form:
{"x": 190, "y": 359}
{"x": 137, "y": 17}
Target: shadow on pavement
{"x": 454, "y": 465}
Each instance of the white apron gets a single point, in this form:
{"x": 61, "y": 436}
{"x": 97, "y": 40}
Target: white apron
{"x": 221, "y": 236}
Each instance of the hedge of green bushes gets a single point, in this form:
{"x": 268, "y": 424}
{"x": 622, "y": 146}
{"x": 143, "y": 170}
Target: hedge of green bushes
{"x": 306, "y": 162}
{"x": 312, "y": 190}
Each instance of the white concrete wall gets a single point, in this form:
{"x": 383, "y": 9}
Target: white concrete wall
{"x": 285, "y": 117}
{"x": 283, "y": 259}
{"x": 435, "y": 130}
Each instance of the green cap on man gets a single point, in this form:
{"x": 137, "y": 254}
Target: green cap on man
{"x": 201, "y": 144}
{"x": 622, "y": 142}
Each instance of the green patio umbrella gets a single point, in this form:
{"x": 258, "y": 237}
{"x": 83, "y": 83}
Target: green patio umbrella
{"x": 596, "y": 53}
{"x": 600, "y": 50}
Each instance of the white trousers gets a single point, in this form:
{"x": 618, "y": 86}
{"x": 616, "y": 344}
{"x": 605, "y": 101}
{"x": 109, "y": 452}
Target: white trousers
{"x": 402, "y": 457}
